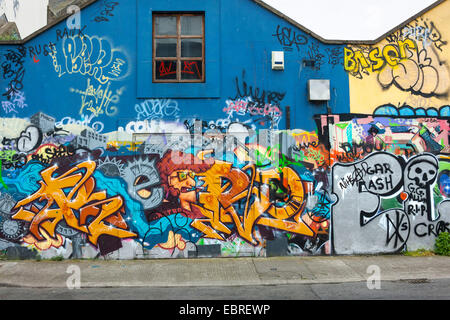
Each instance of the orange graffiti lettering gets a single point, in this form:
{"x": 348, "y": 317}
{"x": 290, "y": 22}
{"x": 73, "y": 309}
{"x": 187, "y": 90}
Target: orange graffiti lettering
{"x": 226, "y": 185}
{"x": 69, "y": 192}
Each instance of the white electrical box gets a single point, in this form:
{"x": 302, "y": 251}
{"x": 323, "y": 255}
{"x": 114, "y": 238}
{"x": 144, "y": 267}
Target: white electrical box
{"x": 277, "y": 60}
{"x": 319, "y": 90}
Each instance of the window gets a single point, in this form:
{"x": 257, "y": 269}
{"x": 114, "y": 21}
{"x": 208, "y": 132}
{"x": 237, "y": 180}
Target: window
{"x": 179, "y": 47}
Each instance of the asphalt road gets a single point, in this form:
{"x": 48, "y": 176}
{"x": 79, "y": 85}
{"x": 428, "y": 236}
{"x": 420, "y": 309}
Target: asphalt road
{"x": 438, "y": 289}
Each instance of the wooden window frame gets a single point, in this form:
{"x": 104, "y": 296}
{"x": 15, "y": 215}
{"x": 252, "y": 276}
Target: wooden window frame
{"x": 178, "y": 59}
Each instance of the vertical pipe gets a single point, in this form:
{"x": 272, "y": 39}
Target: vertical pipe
{"x": 288, "y": 118}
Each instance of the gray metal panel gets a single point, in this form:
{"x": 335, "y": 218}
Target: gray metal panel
{"x": 319, "y": 89}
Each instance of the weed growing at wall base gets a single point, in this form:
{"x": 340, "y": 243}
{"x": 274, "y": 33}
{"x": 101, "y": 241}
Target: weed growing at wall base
{"x": 419, "y": 253}
{"x": 57, "y": 258}
{"x": 443, "y": 244}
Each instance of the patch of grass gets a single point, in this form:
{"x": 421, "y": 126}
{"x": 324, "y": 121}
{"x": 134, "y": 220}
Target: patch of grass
{"x": 57, "y": 258}
{"x": 419, "y": 253}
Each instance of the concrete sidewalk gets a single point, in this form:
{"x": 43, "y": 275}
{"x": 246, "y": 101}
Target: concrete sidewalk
{"x": 221, "y": 271}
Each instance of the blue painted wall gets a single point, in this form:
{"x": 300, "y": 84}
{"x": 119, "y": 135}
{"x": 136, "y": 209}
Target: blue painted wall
{"x": 240, "y": 36}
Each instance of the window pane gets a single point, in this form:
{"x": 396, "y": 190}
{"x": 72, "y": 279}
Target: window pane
{"x": 165, "y": 26}
{"x": 166, "y": 70}
{"x": 191, "y": 25}
{"x": 166, "y": 47}
{"x": 191, "y": 48}
{"x": 191, "y": 70}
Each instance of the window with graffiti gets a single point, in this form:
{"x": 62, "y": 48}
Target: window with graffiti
{"x": 178, "y": 47}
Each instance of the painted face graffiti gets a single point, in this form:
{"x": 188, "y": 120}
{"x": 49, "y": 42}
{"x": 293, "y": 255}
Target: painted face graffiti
{"x": 178, "y": 172}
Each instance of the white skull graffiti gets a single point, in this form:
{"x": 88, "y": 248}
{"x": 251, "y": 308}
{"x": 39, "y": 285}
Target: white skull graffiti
{"x": 423, "y": 173}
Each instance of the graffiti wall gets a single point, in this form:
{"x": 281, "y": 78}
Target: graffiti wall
{"x": 166, "y": 195}
{"x": 407, "y": 71}
{"x": 357, "y": 185}
{"x": 389, "y": 179}
{"x": 93, "y": 166}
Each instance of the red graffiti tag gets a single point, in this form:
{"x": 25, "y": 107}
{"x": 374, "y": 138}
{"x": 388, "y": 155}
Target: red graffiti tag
{"x": 163, "y": 71}
{"x": 188, "y": 68}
